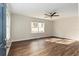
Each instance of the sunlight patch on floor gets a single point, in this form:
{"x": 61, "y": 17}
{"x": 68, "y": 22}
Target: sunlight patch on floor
{"x": 61, "y": 41}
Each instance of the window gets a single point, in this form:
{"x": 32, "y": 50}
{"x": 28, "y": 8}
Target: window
{"x": 7, "y": 24}
{"x": 37, "y": 27}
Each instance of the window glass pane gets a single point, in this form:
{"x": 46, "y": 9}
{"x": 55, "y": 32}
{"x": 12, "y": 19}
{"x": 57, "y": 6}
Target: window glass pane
{"x": 34, "y": 27}
{"x": 41, "y": 30}
{"x": 34, "y": 30}
{"x": 41, "y": 27}
{"x": 34, "y": 24}
{"x": 7, "y": 24}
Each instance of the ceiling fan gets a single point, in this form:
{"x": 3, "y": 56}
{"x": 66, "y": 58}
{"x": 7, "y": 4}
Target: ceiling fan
{"x": 51, "y": 14}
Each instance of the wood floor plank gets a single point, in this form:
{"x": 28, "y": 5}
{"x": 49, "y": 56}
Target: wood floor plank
{"x": 45, "y": 47}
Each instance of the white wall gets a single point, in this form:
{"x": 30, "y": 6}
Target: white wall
{"x": 21, "y": 28}
{"x": 66, "y": 27}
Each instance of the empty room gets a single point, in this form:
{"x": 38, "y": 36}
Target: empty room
{"x": 42, "y": 29}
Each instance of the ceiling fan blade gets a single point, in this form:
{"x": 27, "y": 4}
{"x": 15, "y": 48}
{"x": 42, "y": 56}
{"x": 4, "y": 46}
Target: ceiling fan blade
{"x": 55, "y": 15}
{"x": 46, "y": 14}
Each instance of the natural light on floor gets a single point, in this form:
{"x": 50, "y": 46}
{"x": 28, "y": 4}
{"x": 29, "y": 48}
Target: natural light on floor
{"x": 61, "y": 41}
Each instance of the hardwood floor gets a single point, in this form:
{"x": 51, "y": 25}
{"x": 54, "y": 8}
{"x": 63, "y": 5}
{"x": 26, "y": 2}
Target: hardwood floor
{"x": 45, "y": 47}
